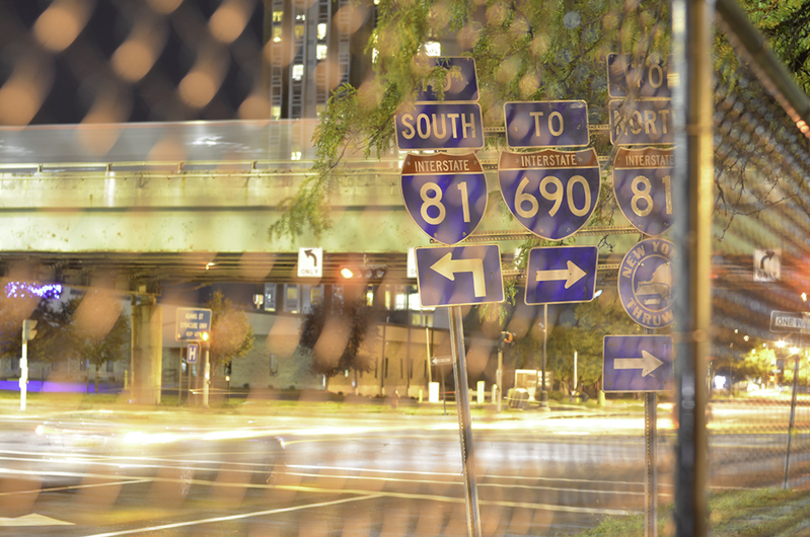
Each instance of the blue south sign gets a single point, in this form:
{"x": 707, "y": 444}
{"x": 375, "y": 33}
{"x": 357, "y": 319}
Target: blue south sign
{"x": 546, "y": 124}
{"x": 440, "y": 126}
{"x": 645, "y": 283}
{"x": 551, "y": 193}
{"x": 642, "y": 183}
{"x": 446, "y": 195}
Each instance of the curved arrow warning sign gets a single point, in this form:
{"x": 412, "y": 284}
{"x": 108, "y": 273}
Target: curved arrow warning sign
{"x": 637, "y": 363}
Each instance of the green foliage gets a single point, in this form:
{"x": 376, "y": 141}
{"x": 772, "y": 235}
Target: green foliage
{"x": 51, "y": 340}
{"x": 756, "y": 364}
{"x": 231, "y": 333}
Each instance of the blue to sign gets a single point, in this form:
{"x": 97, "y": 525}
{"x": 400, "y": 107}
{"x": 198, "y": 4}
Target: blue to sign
{"x": 459, "y": 275}
{"x": 446, "y": 195}
{"x": 641, "y": 122}
{"x": 461, "y": 82}
{"x": 440, "y": 126}
{"x": 191, "y": 323}
{"x": 546, "y": 124}
{"x": 637, "y": 363}
{"x": 650, "y": 81}
{"x": 551, "y": 193}
{"x": 561, "y": 274}
{"x": 642, "y": 184}
{"x": 192, "y": 352}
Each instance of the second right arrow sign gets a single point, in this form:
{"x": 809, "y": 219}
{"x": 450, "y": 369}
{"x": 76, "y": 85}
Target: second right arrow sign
{"x": 637, "y": 363}
{"x": 560, "y": 274}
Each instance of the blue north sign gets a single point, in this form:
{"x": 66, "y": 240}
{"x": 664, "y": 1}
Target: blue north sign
{"x": 551, "y": 193}
{"x": 459, "y": 275}
{"x": 641, "y": 122}
{"x": 446, "y": 195}
{"x": 440, "y": 126}
{"x": 546, "y": 124}
{"x": 637, "y": 363}
{"x": 561, "y": 274}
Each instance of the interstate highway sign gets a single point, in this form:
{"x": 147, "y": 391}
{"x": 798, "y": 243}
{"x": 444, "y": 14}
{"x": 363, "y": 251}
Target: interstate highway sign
{"x": 440, "y": 126}
{"x": 546, "y": 124}
{"x": 637, "y": 363}
{"x": 788, "y": 321}
{"x": 459, "y": 275}
{"x": 551, "y": 193}
{"x": 561, "y": 274}
{"x": 191, "y": 323}
{"x": 446, "y": 195}
{"x": 642, "y": 184}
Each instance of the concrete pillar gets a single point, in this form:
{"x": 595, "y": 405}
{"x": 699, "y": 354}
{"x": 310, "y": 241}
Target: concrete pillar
{"x": 147, "y": 351}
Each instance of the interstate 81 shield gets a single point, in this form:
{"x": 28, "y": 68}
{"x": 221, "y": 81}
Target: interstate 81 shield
{"x": 551, "y": 193}
{"x": 642, "y": 185}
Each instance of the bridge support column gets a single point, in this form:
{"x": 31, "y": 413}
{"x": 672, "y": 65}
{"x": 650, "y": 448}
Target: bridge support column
{"x": 147, "y": 351}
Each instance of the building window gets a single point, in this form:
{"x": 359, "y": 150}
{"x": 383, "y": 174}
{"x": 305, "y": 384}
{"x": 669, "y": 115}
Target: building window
{"x": 295, "y": 155}
{"x": 273, "y": 365}
{"x": 316, "y": 295}
{"x": 298, "y": 71}
{"x": 321, "y": 51}
{"x": 278, "y": 16}
{"x": 291, "y": 300}
{"x": 322, "y": 31}
{"x": 433, "y": 48}
{"x": 269, "y": 297}
{"x": 275, "y": 111}
{"x": 299, "y": 31}
{"x": 277, "y": 32}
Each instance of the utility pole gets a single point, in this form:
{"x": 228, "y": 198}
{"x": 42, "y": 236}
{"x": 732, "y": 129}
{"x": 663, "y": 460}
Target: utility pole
{"x": 28, "y": 333}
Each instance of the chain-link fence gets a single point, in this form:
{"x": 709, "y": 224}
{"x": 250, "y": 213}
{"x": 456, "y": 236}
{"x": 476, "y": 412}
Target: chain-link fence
{"x": 97, "y": 97}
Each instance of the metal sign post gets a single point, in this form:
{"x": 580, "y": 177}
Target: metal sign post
{"x": 464, "y": 421}
{"x": 792, "y": 419}
{"x": 650, "y": 481}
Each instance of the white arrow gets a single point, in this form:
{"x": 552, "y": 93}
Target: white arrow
{"x": 571, "y": 275}
{"x": 647, "y": 363}
{"x": 449, "y": 267}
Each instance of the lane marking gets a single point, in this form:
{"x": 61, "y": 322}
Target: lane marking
{"x": 235, "y": 517}
{"x": 32, "y": 519}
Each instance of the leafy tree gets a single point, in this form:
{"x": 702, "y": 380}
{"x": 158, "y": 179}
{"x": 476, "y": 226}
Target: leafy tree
{"x": 755, "y": 364}
{"x": 334, "y": 333}
{"x": 231, "y": 333}
{"x": 51, "y": 343}
{"x": 99, "y": 329}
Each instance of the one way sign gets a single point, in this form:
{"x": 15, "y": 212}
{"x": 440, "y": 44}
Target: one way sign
{"x": 310, "y": 262}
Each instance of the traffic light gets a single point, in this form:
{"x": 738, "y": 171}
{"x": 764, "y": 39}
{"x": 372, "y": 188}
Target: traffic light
{"x": 506, "y": 339}
{"x": 28, "y": 331}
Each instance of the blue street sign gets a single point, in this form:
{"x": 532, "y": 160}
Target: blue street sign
{"x": 560, "y": 274}
{"x": 460, "y": 84}
{"x": 546, "y": 124}
{"x": 637, "y": 363}
{"x": 645, "y": 283}
{"x": 192, "y": 352}
{"x": 440, "y": 126}
{"x": 459, "y": 275}
{"x": 191, "y": 323}
{"x": 551, "y": 193}
{"x": 641, "y": 122}
{"x": 446, "y": 195}
{"x": 642, "y": 184}
{"x": 649, "y": 81}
